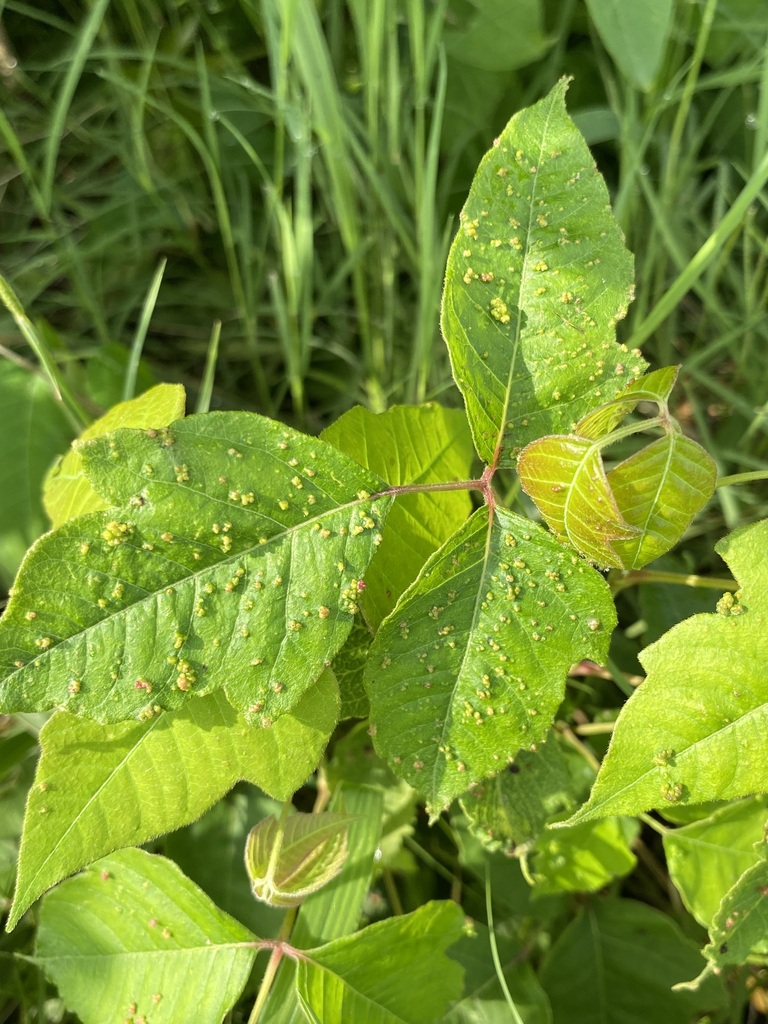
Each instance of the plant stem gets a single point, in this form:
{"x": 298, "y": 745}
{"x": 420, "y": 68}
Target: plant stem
{"x": 494, "y": 948}
{"x": 637, "y": 576}
{"x": 274, "y": 960}
{"x": 742, "y": 478}
{"x": 570, "y": 737}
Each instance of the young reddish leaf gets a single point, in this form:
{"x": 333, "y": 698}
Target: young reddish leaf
{"x": 285, "y": 865}
{"x": 567, "y": 481}
{"x": 234, "y": 560}
{"x": 471, "y": 664}
{"x": 640, "y": 509}
{"x": 537, "y": 277}
{"x": 659, "y": 490}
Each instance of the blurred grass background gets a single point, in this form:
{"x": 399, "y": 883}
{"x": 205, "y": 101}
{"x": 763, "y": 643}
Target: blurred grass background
{"x": 292, "y": 170}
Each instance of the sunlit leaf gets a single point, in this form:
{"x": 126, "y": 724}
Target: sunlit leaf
{"x": 537, "y": 278}
{"x": 101, "y": 788}
{"x": 707, "y": 857}
{"x": 471, "y": 665}
{"x": 695, "y": 730}
{"x": 288, "y": 862}
{"x": 157, "y": 945}
{"x": 233, "y": 562}
{"x": 67, "y": 491}
{"x": 740, "y": 928}
{"x": 393, "y": 972}
{"x": 583, "y": 858}
{"x": 408, "y": 445}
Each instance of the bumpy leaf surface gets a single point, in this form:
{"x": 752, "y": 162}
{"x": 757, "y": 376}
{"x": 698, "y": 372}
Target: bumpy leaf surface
{"x": 695, "y": 729}
{"x": 471, "y": 664}
{"x": 408, "y": 445}
{"x": 233, "y": 562}
{"x": 393, "y": 972}
{"x": 67, "y": 492}
{"x": 537, "y": 278}
{"x": 157, "y": 945}
{"x": 102, "y": 788}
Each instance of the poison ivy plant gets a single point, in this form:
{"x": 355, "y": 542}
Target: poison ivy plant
{"x": 212, "y": 583}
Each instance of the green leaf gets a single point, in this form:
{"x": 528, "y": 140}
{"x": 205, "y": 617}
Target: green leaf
{"x": 233, "y": 563}
{"x": 694, "y": 730}
{"x": 160, "y": 775}
{"x": 157, "y": 945}
{"x": 34, "y": 431}
{"x": 67, "y": 492}
{"x": 483, "y": 1001}
{"x": 635, "y": 35}
{"x": 537, "y": 278}
{"x": 335, "y": 910}
{"x": 583, "y": 858}
{"x": 471, "y": 665}
{"x": 408, "y": 445}
{"x": 348, "y": 667}
{"x": 393, "y": 972}
{"x": 512, "y": 808}
{"x": 626, "y": 957}
{"x": 739, "y": 930}
{"x": 482, "y": 37}
{"x": 286, "y": 862}
{"x": 706, "y": 858}
{"x": 640, "y": 509}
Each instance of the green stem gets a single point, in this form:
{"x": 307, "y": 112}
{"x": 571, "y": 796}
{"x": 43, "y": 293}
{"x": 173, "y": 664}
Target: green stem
{"x": 516, "y": 1018}
{"x": 274, "y": 961}
{"x": 637, "y": 576}
{"x": 742, "y": 478}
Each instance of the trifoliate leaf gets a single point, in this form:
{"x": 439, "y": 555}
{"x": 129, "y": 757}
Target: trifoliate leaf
{"x": 471, "y": 664}
{"x": 537, "y": 278}
{"x": 636, "y": 512}
{"x": 67, "y": 492}
{"x": 158, "y": 946}
{"x": 233, "y": 561}
{"x": 694, "y": 730}
{"x": 99, "y": 788}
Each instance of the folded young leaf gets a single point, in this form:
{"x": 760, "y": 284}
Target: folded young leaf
{"x": 408, "y": 445}
{"x": 640, "y": 509}
{"x": 234, "y": 561}
{"x": 695, "y": 730}
{"x": 67, "y": 492}
{"x": 160, "y": 774}
{"x": 158, "y": 946}
{"x": 393, "y": 972}
{"x": 285, "y": 865}
{"x": 471, "y": 665}
{"x": 536, "y": 279}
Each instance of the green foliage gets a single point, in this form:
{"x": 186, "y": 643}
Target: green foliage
{"x": 691, "y": 714}
{"x": 221, "y": 594}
